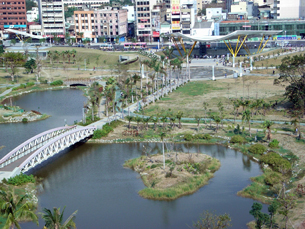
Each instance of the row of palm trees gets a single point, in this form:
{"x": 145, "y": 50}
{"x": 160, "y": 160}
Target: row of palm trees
{"x": 64, "y": 55}
{"x": 17, "y": 208}
{"x": 164, "y": 118}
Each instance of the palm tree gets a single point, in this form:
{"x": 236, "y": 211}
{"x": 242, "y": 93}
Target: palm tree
{"x": 164, "y": 120}
{"x": 53, "y": 220}
{"x": 138, "y": 120}
{"x": 197, "y": 118}
{"x": 205, "y": 107}
{"x": 16, "y": 208}
{"x": 68, "y": 54}
{"x": 129, "y": 118}
{"x": 247, "y": 117}
{"x": 173, "y": 119}
{"x": 268, "y": 125}
{"x": 63, "y": 53}
{"x": 73, "y": 54}
{"x": 146, "y": 120}
{"x": 217, "y": 120}
{"x": 155, "y": 121}
{"x": 162, "y": 135}
{"x": 179, "y": 116}
{"x": 236, "y": 104}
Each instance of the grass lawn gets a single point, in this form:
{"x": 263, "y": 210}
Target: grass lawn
{"x": 93, "y": 58}
{"x": 191, "y": 96}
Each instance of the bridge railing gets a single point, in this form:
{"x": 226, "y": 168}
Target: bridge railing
{"x": 55, "y": 146}
{"x": 32, "y": 144}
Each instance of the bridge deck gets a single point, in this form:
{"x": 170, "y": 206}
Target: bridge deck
{"x": 10, "y": 167}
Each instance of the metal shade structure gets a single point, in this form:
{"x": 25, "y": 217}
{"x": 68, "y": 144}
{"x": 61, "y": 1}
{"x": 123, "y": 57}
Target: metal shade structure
{"x": 239, "y": 35}
{"x": 25, "y": 34}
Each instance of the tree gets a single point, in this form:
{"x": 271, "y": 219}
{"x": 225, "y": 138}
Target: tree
{"x": 179, "y": 116}
{"x": 217, "y": 120}
{"x": 247, "y": 117}
{"x": 13, "y": 60}
{"x": 155, "y": 121}
{"x": 162, "y": 135}
{"x": 129, "y": 118}
{"x": 16, "y": 208}
{"x": 197, "y": 118}
{"x": 146, "y": 120}
{"x": 54, "y": 220}
{"x": 267, "y": 124}
{"x": 292, "y": 71}
{"x": 208, "y": 220}
{"x": 30, "y": 4}
{"x": 13, "y": 41}
{"x": 205, "y": 107}
{"x": 260, "y": 218}
{"x": 138, "y": 120}
{"x": 287, "y": 202}
{"x": 272, "y": 209}
{"x": 30, "y": 65}
{"x": 38, "y": 62}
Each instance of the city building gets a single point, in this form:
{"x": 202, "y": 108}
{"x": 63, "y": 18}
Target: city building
{"x": 90, "y": 4}
{"x": 12, "y": 15}
{"x": 212, "y": 12}
{"x": 175, "y": 16}
{"x": 290, "y": 9}
{"x": 289, "y": 27}
{"x": 131, "y": 17}
{"x": 32, "y": 15}
{"x": 158, "y": 16}
{"x": 51, "y": 17}
{"x": 188, "y": 10}
{"x": 84, "y": 25}
{"x": 143, "y": 19}
{"x": 111, "y": 23}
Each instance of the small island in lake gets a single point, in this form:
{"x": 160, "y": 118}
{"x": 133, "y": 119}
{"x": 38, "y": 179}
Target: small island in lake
{"x": 184, "y": 174}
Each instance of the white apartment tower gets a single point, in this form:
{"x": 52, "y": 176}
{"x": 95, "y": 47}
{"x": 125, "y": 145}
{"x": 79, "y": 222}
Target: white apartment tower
{"x": 51, "y": 16}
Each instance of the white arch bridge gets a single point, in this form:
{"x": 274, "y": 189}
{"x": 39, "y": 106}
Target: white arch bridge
{"x": 41, "y": 147}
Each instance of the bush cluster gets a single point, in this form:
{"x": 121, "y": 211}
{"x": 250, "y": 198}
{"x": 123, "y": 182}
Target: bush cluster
{"x": 257, "y": 149}
{"x": 190, "y": 137}
{"x": 276, "y": 161}
{"x": 57, "y": 83}
{"x": 22, "y": 86}
{"x": 238, "y": 139}
{"x": 272, "y": 178}
{"x": 20, "y": 179}
{"x": 274, "y": 143}
{"x": 107, "y": 128}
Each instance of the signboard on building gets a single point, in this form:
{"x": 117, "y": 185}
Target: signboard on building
{"x": 141, "y": 26}
{"x": 175, "y": 6}
{"x": 246, "y": 26}
{"x": 14, "y": 26}
{"x": 286, "y": 38}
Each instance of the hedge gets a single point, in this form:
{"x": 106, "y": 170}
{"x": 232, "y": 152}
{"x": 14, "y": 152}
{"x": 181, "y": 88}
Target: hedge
{"x": 257, "y": 149}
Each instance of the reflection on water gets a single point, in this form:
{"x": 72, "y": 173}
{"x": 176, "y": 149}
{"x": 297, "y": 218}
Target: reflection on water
{"x": 91, "y": 178}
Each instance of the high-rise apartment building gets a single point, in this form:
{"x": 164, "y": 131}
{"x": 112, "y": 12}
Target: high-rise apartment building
{"x": 51, "y": 16}
{"x": 84, "y": 24}
{"x": 12, "y": 15}
{"x": 92, "y": 4}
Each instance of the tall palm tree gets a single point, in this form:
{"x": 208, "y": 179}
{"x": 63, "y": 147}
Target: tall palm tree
{"x": 73, "y": 54}
{"x": 268, "y": 125}
{"x": 236, "y": 105}
{"x": 54, "y": 220}
{"x": 164, "y": 120}
{"x": 16, "y": 208}
{"x": 146, "y": 120}
{"x": 68, "y": 55}
{"x": 247, "y": 117}
{"x": 162, "y": 135}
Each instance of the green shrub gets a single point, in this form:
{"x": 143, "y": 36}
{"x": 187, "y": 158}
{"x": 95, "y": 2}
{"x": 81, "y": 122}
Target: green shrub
{"x": 207, "y": 137}
{"x": 198, "y": 136}
{"x": 188, "y": 137}
{"x": 272, "y": 178}
{"x": 238, "y": 139}
{"x": 30, "y": 84}
{"x": 20, "y": 179}
{"x": 276, "y": 161}
{"x": 57, "y": 83}
{"x": 274, "y": 143}
{"x": 257, "y": 149}
{"x": 24, "y": 120}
